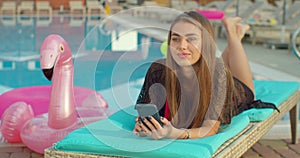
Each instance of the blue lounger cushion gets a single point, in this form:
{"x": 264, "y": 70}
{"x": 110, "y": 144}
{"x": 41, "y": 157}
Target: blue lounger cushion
{"x": 275, "y": 92}
{"x": 113, "y": 136}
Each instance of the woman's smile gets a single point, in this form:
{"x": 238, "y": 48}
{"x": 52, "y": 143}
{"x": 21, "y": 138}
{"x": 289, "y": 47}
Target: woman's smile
{"x": 184, "y": 54}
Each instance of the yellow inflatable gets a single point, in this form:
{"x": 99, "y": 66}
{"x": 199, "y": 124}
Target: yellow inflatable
{"x": 164, "y": 48}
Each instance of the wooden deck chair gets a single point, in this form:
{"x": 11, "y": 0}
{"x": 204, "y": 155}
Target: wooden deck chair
{"x": 26, "y": 6}
{"x": 77, "y": 6}
{"x": 8, "y": 7}
{"x": 94, "y": 5}
{"x": 43, "y": 6}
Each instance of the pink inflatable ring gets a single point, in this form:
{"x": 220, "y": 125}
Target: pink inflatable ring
{"x": 39, "y": 98}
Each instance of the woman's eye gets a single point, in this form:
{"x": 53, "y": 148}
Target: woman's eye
{"x": 191, "y": 39}
{"x": 175, "y": 39}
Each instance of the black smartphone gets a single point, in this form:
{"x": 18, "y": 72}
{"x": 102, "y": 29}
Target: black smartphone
{"x": 145, "y": 110}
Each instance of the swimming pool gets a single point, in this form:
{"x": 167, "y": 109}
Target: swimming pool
{"x": 107, "y": 49}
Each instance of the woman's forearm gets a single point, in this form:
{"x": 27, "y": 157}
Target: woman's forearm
{"x": 177, "y": 134}
{"x": 208, "y": 128}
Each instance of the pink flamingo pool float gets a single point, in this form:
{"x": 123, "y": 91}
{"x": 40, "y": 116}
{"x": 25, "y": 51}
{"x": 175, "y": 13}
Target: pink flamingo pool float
{"x": 68, "y": 107}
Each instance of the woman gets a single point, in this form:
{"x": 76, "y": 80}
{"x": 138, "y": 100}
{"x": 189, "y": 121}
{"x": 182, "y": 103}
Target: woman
{"x": 195, "y": 90}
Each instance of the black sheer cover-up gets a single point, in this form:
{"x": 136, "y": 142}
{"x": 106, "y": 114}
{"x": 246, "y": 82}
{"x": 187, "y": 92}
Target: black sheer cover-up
{"x": 239, "y": 97}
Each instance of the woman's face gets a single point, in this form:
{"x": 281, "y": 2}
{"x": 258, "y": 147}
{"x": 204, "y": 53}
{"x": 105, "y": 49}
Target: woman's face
{"x": 185, "y": 43}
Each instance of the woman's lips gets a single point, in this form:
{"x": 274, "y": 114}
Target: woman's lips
{"x": 183, "y": 54}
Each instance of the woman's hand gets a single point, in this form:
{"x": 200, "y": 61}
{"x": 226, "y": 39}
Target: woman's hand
{"x": 138, "y": 129}
{"x": 153, "y": 129}
{"x": 234, "y": 28}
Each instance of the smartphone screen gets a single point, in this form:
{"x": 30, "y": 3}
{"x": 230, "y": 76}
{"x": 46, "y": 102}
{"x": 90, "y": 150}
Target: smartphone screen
{"x": 145, "y": 110}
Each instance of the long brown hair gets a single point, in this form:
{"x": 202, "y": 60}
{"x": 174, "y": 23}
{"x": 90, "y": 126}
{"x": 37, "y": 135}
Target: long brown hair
{"x": 203, "y": 68}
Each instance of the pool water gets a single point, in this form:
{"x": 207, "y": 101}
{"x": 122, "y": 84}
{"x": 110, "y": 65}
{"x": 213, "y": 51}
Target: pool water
{"x": 112, "y": 53}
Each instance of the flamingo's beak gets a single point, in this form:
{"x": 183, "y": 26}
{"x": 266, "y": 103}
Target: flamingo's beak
{"x": 47, "y": 63}
{"x": 48, "y": 73}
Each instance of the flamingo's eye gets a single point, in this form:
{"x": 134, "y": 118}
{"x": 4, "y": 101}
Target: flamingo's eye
{"x": 61, "y": 47}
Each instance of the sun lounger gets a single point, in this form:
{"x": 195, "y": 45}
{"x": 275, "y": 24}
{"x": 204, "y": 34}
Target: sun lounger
{"x": 230, "y": 9}
{"x": 292, "y": 10}
{"x": 151, "y": 10}
{"x": 246, "y": 10}
{"x": 113, "y": 136}
{"x": 190, "y": 5}
{"x": 279, "y": 33}
{"x": 114, "y": 7}
{"x": 26, "y": 20}
{"x": 251, "y": 9}
{"x": 77, "y": 6}
{"x": 8, "y": 7}
{"x": 227, "y": 6}
{"x": 220, "y": 5}
{"x": 146, "y": 9}
{"x": 26, "y": 6}
{"x": 94, "y": 6}
{"x": 8, "y": 21}
{"x": 75, "y": 21}
{"x": 43, "y": 6}
{"x": 43, "y": 21}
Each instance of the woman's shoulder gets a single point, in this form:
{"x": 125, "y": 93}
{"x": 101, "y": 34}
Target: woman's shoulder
{"x": 160, "y": 62}
{"x": 158, "y": 65}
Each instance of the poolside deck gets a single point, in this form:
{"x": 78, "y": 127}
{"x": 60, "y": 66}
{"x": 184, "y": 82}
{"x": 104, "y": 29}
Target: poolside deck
{"x": 273, "y": 148}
